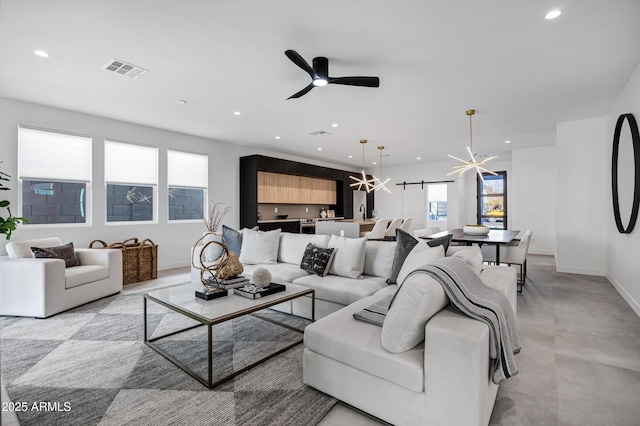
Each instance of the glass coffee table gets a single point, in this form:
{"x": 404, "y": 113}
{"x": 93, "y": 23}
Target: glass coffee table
{"x": 182, "y": 299}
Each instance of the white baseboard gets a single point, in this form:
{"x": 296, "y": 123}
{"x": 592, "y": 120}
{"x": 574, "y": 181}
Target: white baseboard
{"x": 174, "y": 265}
{"x": 630, "y": 300}
{"x": 580, "y": 270}
{"x": 542, "y": 252}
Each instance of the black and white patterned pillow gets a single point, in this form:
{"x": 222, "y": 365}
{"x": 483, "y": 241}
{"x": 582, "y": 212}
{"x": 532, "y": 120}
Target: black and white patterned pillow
{"x": 65, "y": 252}
{"x": 317, "y": 260}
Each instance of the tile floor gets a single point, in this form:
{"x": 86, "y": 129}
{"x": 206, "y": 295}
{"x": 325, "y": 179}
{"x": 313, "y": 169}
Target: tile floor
{"x": 580, "y": 359}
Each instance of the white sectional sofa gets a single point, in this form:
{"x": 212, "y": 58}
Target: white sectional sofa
{"x": 444, "y": 380}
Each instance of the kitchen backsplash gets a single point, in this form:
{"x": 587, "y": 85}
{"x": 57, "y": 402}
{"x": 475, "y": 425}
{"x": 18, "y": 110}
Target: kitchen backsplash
{"x": 295, "y": 211}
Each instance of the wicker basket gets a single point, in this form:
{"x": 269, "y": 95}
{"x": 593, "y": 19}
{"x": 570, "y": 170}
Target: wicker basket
{"x": 139, "y": 260}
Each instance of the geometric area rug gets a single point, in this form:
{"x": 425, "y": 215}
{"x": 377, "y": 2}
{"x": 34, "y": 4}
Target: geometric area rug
{"x": 89, "y": 366}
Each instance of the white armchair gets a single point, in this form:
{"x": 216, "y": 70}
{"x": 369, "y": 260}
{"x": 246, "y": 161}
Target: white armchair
{"x": 43, "y": 287}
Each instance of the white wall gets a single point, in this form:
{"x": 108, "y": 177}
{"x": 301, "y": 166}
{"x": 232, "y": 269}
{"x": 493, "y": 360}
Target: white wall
{"x": 533, "y": 204}
{"x": 622, "y": 266}
{"x": 174, "y": 240}
{"x": 582, "y": 166}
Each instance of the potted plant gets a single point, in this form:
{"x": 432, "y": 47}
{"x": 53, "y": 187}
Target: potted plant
{"x": 7, "y": 224}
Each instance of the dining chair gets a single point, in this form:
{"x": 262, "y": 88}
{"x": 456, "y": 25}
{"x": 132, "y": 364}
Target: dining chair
{"x": 391, "y": 230}
{"x": 406, "y": 224}
{"x": 512, "y": 255}
{"x": 378, "y": 231}
{"x": 419, "y": 233}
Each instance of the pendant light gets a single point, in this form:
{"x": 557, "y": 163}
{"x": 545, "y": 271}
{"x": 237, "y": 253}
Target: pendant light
{"x": 369, "y": 184}
{"x": 471, "y": 163}
{"x": 379, "y": 183}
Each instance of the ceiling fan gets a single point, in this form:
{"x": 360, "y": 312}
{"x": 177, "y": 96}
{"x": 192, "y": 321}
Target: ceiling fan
{"x": 320, "y": 74}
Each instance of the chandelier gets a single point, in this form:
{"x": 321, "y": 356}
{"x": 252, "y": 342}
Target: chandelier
{"x": 471, "y": 163}
{"x": 379, "y": 184}
{"x": 368, "y": 184}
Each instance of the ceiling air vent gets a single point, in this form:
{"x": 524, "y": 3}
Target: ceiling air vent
{"x": 124, "y": 68}
{"x": 319, "y": 133}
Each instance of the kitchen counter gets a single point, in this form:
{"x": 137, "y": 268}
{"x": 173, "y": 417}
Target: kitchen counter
{"x": 298, "y": 219}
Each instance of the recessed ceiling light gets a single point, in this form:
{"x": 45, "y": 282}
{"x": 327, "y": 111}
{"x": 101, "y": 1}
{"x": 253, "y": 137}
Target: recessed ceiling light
{"x": 236, "y": 112}
{"x": 351, "y": 156}
{"x": 41, "y": 53}
{"x": 181, "y": 101}
{"x": 418, "y": 158}
{"x": 319, "y": 149}
{"x": 374, "y": 163}
{"x": 277, "y": 137}
{"x": 553, "y": 14}
{"x": 334, "y": 125}
{"x": 507, "y": 141}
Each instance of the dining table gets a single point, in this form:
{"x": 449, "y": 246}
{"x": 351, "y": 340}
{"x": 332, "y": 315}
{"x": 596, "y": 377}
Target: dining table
{"x": 496, "y": 237}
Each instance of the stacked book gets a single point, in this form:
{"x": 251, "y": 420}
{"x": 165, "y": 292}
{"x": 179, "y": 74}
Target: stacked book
{"x": 234, "y": 282}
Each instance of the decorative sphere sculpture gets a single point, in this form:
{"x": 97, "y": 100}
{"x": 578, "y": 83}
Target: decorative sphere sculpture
{"x": 261, "y": 278}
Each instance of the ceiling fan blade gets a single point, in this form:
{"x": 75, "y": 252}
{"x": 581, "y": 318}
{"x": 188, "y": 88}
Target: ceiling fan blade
{"x": 356, "y": 81}
{"x": 299, "y": 61}
{"x": 302, "y": 92}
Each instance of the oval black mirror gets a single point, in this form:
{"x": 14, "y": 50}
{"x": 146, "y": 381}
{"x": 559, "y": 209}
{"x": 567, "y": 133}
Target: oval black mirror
{"x": 635, "y": 139}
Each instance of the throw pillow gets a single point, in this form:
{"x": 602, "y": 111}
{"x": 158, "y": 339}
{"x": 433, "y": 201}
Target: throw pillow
{"x": 442, "y": 241}
{"x": 420, "y": 255}
{"x": 259, "y": 247}
{"x": 348, "y": 260}
{"x": 404, "y": 244}
{"x": 420, "y": 298}
{"x": 233, "y": 238}
{"x": 317, "y": 260}
{"x": 471, "y": 255}
{"x": 65, "y": 252}
{"x": 378, "y": 258}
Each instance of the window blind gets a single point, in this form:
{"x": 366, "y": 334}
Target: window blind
{"x": 127, "y": 163}
{"x": 44, "y": 154}
{"x": 187, "y": 170}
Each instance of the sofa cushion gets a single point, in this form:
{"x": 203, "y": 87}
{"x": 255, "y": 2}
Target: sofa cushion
{"x": 64, "y": 252}
{"x": 85, "y": 274}
{"x": 22, "y": 249}
{"x": 378, "y": 258}
{"x": 471, "y": 255}
{"x": 420, "y": 255}
{"x": 292, "y": 246}
{"x": 355, "y": 343}
{"x": 348, "y": 260}
{"x": 233, "y": 238}
{"x": 417, "y": 300}
{"x": 387, "y": 290}
{"x": 259, "y": 247}
{"x": 280, "y": 273}
{"x": 317, "y": 260}
{"x": 341, "y": 290}
{"x": 404, "y": 245}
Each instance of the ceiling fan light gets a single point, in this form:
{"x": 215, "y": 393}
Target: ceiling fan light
{"x": 319, "y": 82}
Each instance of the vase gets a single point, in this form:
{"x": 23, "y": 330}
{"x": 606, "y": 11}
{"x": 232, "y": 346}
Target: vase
{"x": 213, "y": 251}
{"x": 323, "y": 214}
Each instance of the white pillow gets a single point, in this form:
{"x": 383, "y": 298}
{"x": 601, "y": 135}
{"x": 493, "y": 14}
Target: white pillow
{"x": 420, "y": 255}
{"x": 378, "y": 258}
{"x": 259, "y": 247}
{"x": 22, "y": 249}
{"x": 292, "y": 246}
{"x": 420, "y": 298}
{"x": 348, "y": 260}
{"x": 472, "y": 256}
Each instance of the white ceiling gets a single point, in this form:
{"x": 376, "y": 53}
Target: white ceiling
{"x": 435, "y": 59}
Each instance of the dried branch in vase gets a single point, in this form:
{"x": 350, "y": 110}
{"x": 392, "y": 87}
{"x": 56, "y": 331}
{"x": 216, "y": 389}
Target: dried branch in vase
{"x": 213, "y": 221}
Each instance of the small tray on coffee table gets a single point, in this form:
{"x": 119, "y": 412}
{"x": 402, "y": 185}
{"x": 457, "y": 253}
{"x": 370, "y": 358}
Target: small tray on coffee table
{"x": 252, "y": 292}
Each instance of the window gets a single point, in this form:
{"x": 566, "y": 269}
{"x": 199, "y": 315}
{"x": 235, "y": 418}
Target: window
{"x": 54, "y": 171}
{"x": 492, "y": 200}
{"x": 131, "y": 175}
{"x": 187, "y": 178}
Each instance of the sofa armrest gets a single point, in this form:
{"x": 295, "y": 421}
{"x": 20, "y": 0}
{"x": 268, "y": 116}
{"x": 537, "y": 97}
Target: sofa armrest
{"x": 95, "y": 256}
{"x": 456, "y": 368}
{"x": 22, "y": 285}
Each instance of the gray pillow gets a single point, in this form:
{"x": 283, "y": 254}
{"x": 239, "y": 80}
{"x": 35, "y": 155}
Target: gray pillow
{"x": 442, "y": 241}
{"x": 65, "y": 252}
{"x": 233, "y": 238}
{"x": 404, "y": 244}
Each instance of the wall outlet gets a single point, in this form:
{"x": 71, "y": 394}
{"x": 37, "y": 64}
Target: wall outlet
{"x": 276, "y": 209}
{"x": 342, "y": 232}
{"x": 306, "y": 209}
